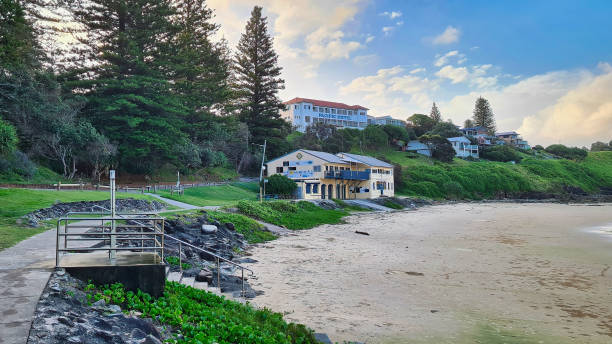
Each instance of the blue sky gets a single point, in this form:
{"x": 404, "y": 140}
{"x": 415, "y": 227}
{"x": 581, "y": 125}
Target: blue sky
{"x": 543, "y": 65}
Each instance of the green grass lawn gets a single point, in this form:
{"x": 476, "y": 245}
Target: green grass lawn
{"x": 14, "y": 203}
{"x": 214, "y": 195}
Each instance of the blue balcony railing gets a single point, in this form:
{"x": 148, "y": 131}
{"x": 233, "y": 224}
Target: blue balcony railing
{"x": 348, "y": 175}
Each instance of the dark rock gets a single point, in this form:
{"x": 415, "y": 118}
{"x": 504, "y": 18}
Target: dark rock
{"x": 151, "y": 340}
{"x": 65, "y": 321}
{"x": 230, "y": 226}
{"x": 204, "y": 275}
{"x": 137, "y": 334}
{"x": 323, "y": 338}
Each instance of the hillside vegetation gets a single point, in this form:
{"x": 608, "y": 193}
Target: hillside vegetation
{"x": 486, "y": 179}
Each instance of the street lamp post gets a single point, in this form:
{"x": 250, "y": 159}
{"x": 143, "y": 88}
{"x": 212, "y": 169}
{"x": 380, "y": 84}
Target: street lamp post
{"x": 263, "y": 156}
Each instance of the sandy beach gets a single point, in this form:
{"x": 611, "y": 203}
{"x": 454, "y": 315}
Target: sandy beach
{"x": 463, "y": 273}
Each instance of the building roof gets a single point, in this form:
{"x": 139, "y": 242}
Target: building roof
{"x": 325, "y": 103}
{"x": 476, "y": 128}
{"x": 458, "y": 138}
{"x": 368, "y": 160}
{"x": 506, "y": 133}
{"x": 329, "y": 157}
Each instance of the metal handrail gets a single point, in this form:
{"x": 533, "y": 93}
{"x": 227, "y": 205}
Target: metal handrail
{"x": 181, "y": 242}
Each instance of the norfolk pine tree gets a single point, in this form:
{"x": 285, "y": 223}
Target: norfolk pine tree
{"x": 435, "y": 113}
{"x": 257, "y": 82}
{"x": 483, "y": 115}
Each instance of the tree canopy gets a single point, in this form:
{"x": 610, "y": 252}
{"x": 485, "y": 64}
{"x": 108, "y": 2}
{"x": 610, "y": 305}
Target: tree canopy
{"x": 435, "y": 113}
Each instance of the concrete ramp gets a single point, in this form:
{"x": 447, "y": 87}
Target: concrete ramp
{"x": 367, "y": 204}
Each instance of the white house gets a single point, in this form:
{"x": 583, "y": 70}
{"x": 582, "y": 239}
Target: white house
{"x": 464, "y": 147}
{"x": 302, "y": 112}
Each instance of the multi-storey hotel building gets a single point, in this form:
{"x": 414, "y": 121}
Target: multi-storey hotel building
{"x": 302, "y": 112}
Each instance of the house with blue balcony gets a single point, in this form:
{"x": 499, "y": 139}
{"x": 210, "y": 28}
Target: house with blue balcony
{"x": 322, "y": 175}
{"x": 463, "y": 147}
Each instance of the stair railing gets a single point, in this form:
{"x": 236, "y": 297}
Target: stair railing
{"x": 218, "y": 258}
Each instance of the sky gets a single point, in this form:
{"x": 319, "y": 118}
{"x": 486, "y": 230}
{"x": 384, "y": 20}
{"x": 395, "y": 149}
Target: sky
{"x": 544, "y": 66}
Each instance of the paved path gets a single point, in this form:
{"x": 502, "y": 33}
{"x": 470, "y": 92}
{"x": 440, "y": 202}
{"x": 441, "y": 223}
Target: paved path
{"x": 181, "y": 205}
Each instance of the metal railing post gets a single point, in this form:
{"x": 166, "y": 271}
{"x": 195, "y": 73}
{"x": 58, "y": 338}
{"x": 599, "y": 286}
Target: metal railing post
{"x": 57, "y": 244}
{"x": 218, "y": 274}
{"x": 243, "y": 293}
{"x": 180, "y": 259}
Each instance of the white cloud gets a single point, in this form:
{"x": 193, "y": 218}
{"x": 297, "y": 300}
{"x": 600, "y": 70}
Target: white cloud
{"x": 387, "y": 30}
{"x": 323, "y": 45}
{"x": 455, "y": 74}
{"x": 400, "y": 23}
{"x": 365, "y": 60}
{"x": 581, "y": 116}
{"x": 369, "y": 38}
{"x": 442, "y": 60}
{"x": 418, "y": 70}
{"x": 450, "y": 35}
{"x": 571, "y": 107}
{"x": 392, "y": 14}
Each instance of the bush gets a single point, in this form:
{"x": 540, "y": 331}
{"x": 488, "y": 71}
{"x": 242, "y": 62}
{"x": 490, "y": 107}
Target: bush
{"x": 8, "y": 138}
{"x": 538, "y": 147}
{"x": 453, "y": 190}
{"x": 280, "y": 185}
{"x": 572, "y": 153}
{"x": 440, "y": 148}
{"x": 502, "y": 153}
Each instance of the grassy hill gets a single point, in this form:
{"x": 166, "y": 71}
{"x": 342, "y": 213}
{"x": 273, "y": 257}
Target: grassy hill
{"x": 485, "y": 179}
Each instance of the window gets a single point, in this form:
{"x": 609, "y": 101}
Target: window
{"x": 350, "y": 112}
{"x": 315, "y": 187}
{"x": 307, "y": 118}
{"x": 296, "y": 106}
{"x": 317, "y": 168}
{"x": 308, "y": 186}
{"x": 279, "y": 170}
{"x": 326, "y": 110}
{"x": 333, "y": 110}
{"x": 315, "y": 108}
{"x": 292, "y": 168}
{"x": 285, "y": 163}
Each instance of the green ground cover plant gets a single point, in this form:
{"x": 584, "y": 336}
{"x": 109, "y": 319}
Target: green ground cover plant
{"x": 197, "y": 316}
{"x": 14, "y": 203}
{"x": 299, "y": 215}
{"x": 213, "y": 195}
{"x": 172, "y": 260}
{"x": 253, "y": 231}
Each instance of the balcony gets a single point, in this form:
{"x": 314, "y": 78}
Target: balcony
{"x": 348, "y": 175}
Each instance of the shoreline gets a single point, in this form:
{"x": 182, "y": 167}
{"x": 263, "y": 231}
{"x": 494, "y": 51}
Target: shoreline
{"x": 309, "y": 274}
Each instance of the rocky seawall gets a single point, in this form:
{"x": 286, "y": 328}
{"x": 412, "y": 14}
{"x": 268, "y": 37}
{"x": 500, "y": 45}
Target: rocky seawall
{"x": 61, "y": 209}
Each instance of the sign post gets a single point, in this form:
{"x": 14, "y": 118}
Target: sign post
{"x": 113, "y": 239}
{"x": 261, "y": 184}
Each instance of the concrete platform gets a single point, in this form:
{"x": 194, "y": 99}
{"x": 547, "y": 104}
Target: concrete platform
{"x": 100, "y": 258}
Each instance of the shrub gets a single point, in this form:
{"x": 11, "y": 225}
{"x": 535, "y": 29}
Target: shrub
{"x": 572, "y": 153}
{"x": 8, "y": 138}
{"x": 502, "y": 153}
{"x": 283, "y": 206}
{"x": 453, "y": 190}
{"x": 280, "y": 185}
{"x": 23, "y": 165}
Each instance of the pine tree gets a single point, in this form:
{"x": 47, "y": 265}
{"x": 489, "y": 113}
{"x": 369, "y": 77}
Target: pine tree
{"x": 19, "y": 47}
{"x": 257, "y": 84}
{"x": 125, "y": 78}
{"x": 435, "y": 113}
{"x": 468, "y": 123}
{"x": 483, "y": 115}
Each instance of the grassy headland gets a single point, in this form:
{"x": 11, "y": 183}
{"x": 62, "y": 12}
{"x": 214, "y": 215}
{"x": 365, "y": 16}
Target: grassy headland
{"x": 14, "y": 203}
{"x": 486, "y": 179}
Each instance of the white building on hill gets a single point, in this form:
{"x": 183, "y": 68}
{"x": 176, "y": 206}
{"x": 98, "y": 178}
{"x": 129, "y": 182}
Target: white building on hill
{"x": 302, "y": 112}
{"x": 383, "y": 120}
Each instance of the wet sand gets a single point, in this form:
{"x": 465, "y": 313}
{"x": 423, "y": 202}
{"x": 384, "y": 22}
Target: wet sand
{"x": 464, "y": 273}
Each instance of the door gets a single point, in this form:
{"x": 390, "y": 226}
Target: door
{"x": 338, "y": 194}
{"x": 330, "y": 189}
{"x": 322, "y": 191}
